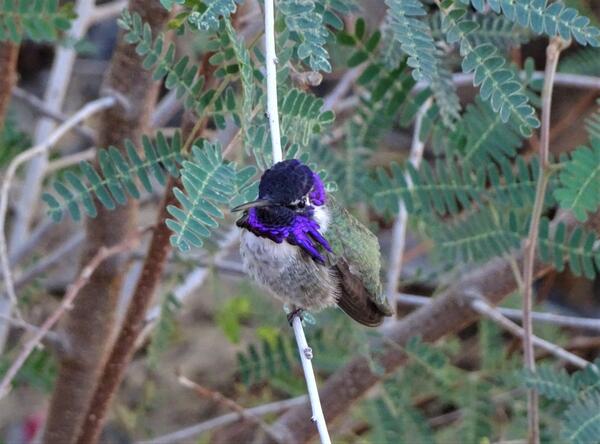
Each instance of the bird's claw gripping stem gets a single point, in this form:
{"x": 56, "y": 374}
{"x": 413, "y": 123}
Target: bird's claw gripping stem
{"x": 292, "y": 314}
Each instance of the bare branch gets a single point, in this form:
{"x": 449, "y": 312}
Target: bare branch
{"x": 70, "y": 160}
{"x": 511, "y": 313}
{"x": 485, "y": 309}
{"x": 221, "y": 399}
{"x": 166, "y": 108}
{"x": 42, "y": 108}
{"x": 193, "y": 432}
{"x": 399, "y": 230}
{"x": 342, "y": 87}
{"x": 67, "y": 302}
{"x": 50, "y": 260}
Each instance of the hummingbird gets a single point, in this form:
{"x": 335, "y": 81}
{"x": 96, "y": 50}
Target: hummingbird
{"x": 300, "y": 244}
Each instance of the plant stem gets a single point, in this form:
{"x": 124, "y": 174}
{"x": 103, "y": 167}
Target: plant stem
{"x": 271, "y": 63}
{"x": 399, "y": 231}
{"x": 273, "y": 114}
{"x": 552, "y": 55}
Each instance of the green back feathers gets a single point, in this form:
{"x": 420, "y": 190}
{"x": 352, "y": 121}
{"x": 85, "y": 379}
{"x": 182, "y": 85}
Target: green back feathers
{"x": 354, "y": 242}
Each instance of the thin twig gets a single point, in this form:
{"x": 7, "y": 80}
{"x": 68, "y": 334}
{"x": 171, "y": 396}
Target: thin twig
{"x": 230, "y": 404}
{"x": 70, "y": 160}
{"x": 50, "y": 339}
{"x": 67, "y": 302}
{"x": 165, "y": 109}
{"x": 50, "y": 259}
{"x": 552, "y": 55}
{"x": 399, "y": 231}
{"x": 273, "y": 115}
{"x": 514, "y": 314}
{"x": 483, "y": 308}
{"x": 37, "y": 234}
{"x": 193, "y": 432}
{"x": 39, "y": 106}
{"x": 86, "y": 111}
{"x": 345, "y": 83}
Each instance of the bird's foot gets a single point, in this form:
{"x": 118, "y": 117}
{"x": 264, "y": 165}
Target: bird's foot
{"x": 299, "y": 312}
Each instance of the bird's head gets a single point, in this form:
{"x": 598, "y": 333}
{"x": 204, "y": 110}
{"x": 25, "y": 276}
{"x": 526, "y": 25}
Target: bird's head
{"x": 289, "y": 196}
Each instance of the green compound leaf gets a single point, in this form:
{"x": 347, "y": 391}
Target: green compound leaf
{"x": 305, "y": 19}
{"x": 551, "y": 383}
{"x": 115, "y": 179}
{"x": 207, "y": 19}
{"x": 579, "y": 189}
{"x": 498, "y": 84}
{"x": 414, "y": 37}
{"x": 543, "y": 17}
{"x": 39, "y": 20}
{"x": 208, "y": 184}
{"x": 581, "y": 424}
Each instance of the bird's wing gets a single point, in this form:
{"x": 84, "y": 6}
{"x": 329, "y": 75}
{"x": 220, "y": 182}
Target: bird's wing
{"x": 357, "y": 263}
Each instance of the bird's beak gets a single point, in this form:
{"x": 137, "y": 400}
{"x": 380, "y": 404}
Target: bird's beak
{"x": 258, "y": 203}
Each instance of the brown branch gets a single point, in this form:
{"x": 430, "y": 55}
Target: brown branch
{"x": 147, "y": 284}
{"x": 103, "y": 254}
{"x": 223, "y": 400}
{"x": 90, "y": 325}
{"x": 121, "y": 354}
{"x": 9, "y": 53}
{"x": 552, "y": 55}
{"x": 447, "y": 313}
{"x": 133, "y": 323}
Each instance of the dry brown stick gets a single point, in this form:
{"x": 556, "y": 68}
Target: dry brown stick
{"x": 124, "y": 346}
{"x": 447, "y": 313}
{"x": 552, "y": 55}
{"x": 8, "y": 75}
{"x": 149, "y": 280}
{"x": 223, "y": 400}
{"x": 90, "y": 326}
{"x": 66, "y": 304}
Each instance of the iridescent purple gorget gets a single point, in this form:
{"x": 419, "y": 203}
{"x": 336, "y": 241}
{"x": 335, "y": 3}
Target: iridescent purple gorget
{"x": 288, "y": 215}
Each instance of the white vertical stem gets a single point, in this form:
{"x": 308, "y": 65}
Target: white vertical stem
{"x": 311, "y": 383}
{"x": 271, "y": 62}
{"x": 54, "y": 97}
{"x": 273, "y": 113}
{"x": 399, "y": 230}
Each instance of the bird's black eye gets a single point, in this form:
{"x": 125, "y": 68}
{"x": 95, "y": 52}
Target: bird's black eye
{"x": 301, "y": 204}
